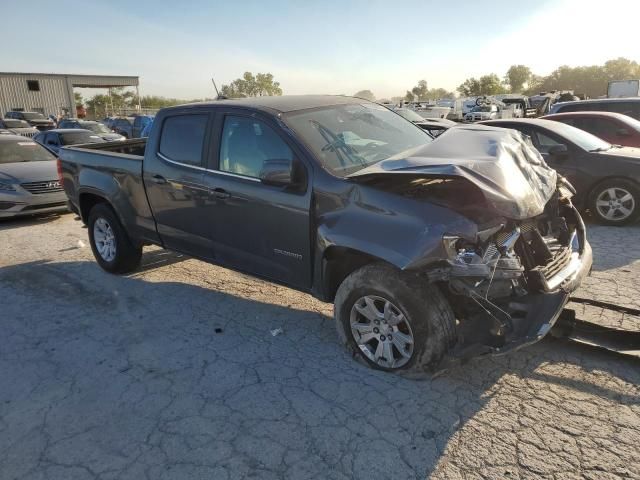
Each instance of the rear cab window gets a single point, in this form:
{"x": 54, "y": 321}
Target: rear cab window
{"x": 182, "y": 138}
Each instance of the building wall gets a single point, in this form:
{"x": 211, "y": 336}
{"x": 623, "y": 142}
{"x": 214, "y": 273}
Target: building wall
{"x": 56, "y": 90}
{"x": 55, "y": 94}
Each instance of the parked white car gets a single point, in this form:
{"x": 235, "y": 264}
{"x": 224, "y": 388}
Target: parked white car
{"x": 482, "y": 112}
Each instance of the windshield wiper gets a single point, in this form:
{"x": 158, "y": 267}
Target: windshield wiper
{"x": 338, "y": 145}
{"x": 600, "y": 149}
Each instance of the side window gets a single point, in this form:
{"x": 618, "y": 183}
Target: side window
{"x": 600, "y": 127}
{"x": 182, "y": 138}
{"x": 246, "y": 143}
{"x": 626, "y": 108}
{"x": 544, "y": 142}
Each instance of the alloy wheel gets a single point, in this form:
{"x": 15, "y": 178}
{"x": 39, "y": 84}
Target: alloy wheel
{"x": 615, "y": 204}
{"x": 381, "y": 331}
{"x": 104, "y": 239}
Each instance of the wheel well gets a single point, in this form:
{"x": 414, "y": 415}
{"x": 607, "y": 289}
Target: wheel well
{"x": 87, "y": 202}
{"x": 339, "y": 263}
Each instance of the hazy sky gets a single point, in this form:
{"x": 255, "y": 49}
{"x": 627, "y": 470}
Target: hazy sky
{"x": 325, "y": 46}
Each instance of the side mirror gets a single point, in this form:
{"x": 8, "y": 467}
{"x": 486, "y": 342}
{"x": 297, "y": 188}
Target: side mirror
{"x": 623, "y": 132}
{"x": 277, "y": 171}
{"x": 558, "y": 151}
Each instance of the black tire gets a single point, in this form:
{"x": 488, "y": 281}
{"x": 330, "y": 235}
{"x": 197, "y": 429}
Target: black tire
{"x": 127, "y": 254}
{"x": 425, "y": 308}
{"x": 619, "y": 185}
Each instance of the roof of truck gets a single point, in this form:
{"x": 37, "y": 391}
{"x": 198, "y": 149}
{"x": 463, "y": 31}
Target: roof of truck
{"x": 285, "y": 103}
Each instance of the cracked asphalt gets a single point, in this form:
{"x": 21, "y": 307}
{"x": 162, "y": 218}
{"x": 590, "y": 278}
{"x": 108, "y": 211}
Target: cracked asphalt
{"x": 173, "y": 373}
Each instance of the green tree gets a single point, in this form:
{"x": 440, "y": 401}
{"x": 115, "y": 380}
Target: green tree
{"x": 421, "y": 91}
{"x": 436, "y": 93}
{"x": 409, "y": 96}
{"x": 491, "y": 85}
{"x": 517, "y": 76}
{"x": 621, "y": 69}
{"x": 470, "y": 87}
{"x": 366, "y": 94}
{"x": 262, "y": 84}
{"x": 78, "y": 99}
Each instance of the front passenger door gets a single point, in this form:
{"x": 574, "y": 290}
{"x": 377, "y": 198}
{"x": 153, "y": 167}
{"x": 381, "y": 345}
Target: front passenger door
{"x": 258, "y": 227}
{"x": 566, "y": 164}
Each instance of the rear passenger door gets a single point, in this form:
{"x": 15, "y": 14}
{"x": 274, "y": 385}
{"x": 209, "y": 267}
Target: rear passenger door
{"x": 173, "y": 177}
{"x": 256, "y": 227}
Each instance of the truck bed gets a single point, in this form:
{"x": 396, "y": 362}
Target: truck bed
{"x": 133, "y": 147}
{"x": 114, "y": 171}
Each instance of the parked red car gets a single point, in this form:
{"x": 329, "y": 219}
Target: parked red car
{"x": 614, "y": 128}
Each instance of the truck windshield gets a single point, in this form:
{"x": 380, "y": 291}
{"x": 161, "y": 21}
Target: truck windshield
{"x": 23, "y": 151}
{"x": 409, "y": 115}
{"x": 95, "y": 127}
{"x": 347, "y": 138}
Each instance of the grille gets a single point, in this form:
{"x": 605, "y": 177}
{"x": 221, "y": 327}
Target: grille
{"x": 27, "y": 134}
{"x": 37, "y": 188}
{"x": 560, "y": 260}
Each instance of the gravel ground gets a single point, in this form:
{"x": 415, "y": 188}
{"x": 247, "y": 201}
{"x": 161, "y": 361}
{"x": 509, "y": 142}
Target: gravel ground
{"x": 173, "y": 373}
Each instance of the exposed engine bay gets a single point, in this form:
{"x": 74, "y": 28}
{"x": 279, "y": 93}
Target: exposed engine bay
{"x": 494, "y": 282}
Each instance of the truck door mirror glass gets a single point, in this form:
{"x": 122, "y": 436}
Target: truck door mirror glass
{"x": 622, "y": 132}
{"x": 277, "y": 171}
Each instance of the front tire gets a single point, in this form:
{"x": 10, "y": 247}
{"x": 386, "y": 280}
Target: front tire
{"x": 111, "y": 246}
{"x": 393, "y": 320}
{"x": 615, "y": 202}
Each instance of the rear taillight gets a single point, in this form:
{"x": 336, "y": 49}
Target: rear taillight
{"x": 59, "y": 167}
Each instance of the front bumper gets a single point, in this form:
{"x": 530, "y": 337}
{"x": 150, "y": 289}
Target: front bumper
{"x": 13, "y": 204}
{"x": 528, "y": 318}
{"x": 545, "y": 308}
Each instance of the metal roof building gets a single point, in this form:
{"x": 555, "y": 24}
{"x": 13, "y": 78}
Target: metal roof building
{"x": 51, "y": 93}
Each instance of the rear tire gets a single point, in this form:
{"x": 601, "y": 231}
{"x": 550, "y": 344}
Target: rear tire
{"x": 111, "y": 246}
{"x": 376, "y": 296}
{"x": 615, "y": 202}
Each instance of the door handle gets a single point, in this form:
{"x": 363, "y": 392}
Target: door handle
{"x": 159, "y": 179}
{"x": 220, "y": 193}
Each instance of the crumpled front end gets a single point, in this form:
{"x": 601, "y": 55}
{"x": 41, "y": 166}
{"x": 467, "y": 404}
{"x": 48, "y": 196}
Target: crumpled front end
{"x": 509, "y": 286}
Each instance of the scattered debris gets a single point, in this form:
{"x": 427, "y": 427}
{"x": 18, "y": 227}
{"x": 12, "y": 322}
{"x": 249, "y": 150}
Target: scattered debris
{"x": 217, "y": 330}
{"x": 81, "y": 244}
{"x": 276, "y": 332}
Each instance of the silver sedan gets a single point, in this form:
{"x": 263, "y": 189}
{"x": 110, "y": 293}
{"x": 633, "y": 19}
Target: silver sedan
{"x": 28, "y": 178}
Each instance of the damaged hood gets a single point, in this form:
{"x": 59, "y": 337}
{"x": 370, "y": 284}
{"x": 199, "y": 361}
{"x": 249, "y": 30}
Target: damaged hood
{"x": 510, "y": 173}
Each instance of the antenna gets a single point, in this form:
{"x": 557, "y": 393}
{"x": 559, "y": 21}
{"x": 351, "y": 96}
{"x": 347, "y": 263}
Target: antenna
{"x": 214, "y": 86}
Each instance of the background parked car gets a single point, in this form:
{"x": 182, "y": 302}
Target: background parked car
{"x": 123, "y": 126}
{"x": 28, "y": 178}
{"x": 139, "y": 123}
{"x": 35, "y": 119}
{"x": 96, "y": 127}
{"x": 147, "y": 129}
{"x": 481, "y": 112}
{"x": 606, "y": 177}
{"x": 53, "y": 140}
{"x": 612, "y": 127}
{"x": 19, "y": 127}
{"x": 434, "y": 126}
{"x": 626, "y": 106}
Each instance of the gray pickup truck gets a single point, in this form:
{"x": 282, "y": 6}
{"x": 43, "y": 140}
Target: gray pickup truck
{"x": 451, "y": 248}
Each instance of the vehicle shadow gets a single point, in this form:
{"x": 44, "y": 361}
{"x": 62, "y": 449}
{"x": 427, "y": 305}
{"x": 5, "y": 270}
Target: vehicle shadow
{"x": 29, "y": 220}
{"x": 200, "y": 375}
